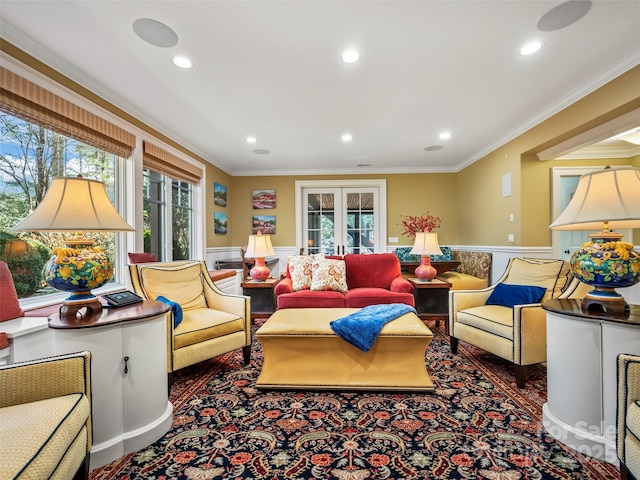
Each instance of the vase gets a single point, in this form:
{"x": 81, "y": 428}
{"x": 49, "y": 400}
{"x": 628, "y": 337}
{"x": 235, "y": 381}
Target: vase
{"x": 425, "y": 272}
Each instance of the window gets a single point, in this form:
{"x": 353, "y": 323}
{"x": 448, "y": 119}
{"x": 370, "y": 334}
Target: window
{"x": 158, "y": 218}
{"x": 30, "y": 156}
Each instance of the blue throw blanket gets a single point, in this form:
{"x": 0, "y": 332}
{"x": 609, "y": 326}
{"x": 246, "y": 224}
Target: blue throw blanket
{"x": 176, "y": 309}
{"x": 361, "y": 329}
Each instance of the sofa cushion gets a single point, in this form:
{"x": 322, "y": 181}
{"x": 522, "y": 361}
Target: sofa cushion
{"x": 550, "y": 274}
{"x": 375, "y": 270}
{"x": 510, "y": 295}
{"x": 329, "y": 274}
{"x": 9, "y": 304}
{"x": 182, "y": 284}
{"x": 366, "y": 296}
{"x": 463, "y": 281}
{"x": 494, "y": 319}
{"x": 632, "y": 420}
{"x": 45, "y": 429}
{"x": 309, "y": 299}
{"x": 201, "y": 324}
{"x": 300, "y": 270}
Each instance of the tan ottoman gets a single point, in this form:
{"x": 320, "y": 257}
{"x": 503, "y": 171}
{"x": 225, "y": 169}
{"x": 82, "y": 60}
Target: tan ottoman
{"x": 302, "y": 351}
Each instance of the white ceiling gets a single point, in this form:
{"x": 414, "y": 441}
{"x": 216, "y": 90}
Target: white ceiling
{"x": 272, "y": 69}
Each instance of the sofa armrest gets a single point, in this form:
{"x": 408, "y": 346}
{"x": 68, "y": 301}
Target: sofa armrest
{"x": 284, "y": 286}
{"x": 401, "y": 285}
{"x": 45, "y": 378}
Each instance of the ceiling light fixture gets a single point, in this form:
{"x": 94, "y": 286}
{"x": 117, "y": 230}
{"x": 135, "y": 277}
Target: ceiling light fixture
{"x": 347, "y": 137}
{"x": 531, "y": 48}
{"x": 445, "y": 135}
{"x": 182, "y": 62}
{"x": 350, "y": 56}
{"x": 252, "y": 139}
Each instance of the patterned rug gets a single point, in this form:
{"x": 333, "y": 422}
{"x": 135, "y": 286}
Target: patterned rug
{"x": 477, "y": 425}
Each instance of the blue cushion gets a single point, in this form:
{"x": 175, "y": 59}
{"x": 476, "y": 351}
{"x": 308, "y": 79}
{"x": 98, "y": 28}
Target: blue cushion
{"x": 176, "y": 310}
{"x": 510, "y": 295}
{"x": 447, "y": 255}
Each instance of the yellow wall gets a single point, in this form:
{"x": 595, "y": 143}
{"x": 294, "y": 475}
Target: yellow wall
{"x": 406, "y": 194}
{"x": 484, "y": 212}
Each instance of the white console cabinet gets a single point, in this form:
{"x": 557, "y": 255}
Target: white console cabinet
{"x": 582, "y": 350}
{"x": 129, "y": 383}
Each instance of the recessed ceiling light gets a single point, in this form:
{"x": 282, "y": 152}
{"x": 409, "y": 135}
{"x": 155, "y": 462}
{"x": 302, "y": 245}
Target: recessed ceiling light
{"x": 563, "y": 15}
{"x": 350, "y": 56}
{"x": 155, "y": 33}
{"x": 531, "y": 48}
{"x": 182, "y": 62}
{"x": 252, "y": 139}
{"x": 347, "y": 137}
{"x": 445, "y": 135}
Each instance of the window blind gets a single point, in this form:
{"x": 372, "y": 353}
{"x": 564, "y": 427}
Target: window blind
{"x": 159, "y": 160}
{"x": 28, "y": 101}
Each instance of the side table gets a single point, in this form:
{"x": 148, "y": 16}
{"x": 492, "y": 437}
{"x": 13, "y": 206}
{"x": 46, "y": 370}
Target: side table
{"x": 263, "y": 297}
{"x": 432, "y": 300}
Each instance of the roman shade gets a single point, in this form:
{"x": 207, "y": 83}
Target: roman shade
{"x": 159, "y": 160}
{"x": 28, "y": 101}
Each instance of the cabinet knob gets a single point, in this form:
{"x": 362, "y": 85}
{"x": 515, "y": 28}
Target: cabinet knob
{"x": 126, "y": 365}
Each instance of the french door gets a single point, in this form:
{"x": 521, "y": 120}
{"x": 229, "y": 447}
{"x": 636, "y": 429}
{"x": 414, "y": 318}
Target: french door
{"x": 340, "y": 218}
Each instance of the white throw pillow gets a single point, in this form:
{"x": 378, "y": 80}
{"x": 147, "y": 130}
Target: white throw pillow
{"x": 329, "y": 274}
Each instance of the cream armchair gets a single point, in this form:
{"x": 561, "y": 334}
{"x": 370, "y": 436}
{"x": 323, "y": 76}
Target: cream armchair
{"x": 213, "y": 322}
{"x": 628, "y": 422}
{"x": 517, "y": 334}
{"x": 45, "y": 417}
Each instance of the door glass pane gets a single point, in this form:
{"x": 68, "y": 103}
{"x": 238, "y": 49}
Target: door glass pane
{"x": 360, "y": 223}
{"x": 321, "y": 223}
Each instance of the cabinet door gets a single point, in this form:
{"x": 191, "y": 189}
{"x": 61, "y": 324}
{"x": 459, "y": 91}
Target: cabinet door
{"x": 144, "y": 344}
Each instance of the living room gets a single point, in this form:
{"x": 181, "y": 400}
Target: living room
{"x": 501, "y": 202}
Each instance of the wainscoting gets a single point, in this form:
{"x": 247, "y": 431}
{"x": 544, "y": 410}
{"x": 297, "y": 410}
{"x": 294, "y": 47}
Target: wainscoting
{"x": 501, "y": 256}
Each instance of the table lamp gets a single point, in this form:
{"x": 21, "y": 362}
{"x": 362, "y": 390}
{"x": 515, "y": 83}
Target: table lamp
{"x": 606, "y": 199}
{"x": 425, "y": 245}
{"x": 259, "y": 246}
{"x": 76, "y": 204}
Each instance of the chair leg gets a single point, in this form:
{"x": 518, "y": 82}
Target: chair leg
{"x": 246, "y": 355}
{"x": 625, "y": 474}
{"x": 169, "y": 382}
{"x": 83, "y": 470}
{"x": 454, "y": 345}
{"x": 521, "y": 375}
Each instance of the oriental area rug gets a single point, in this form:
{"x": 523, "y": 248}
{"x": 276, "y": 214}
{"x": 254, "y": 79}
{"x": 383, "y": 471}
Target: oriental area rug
{"x": 476, "y": 425}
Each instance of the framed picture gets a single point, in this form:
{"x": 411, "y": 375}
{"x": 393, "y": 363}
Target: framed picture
{"x": 263, "y": 199}
{"x": 264, "y": 223}
{"x": 219, "y": 194}
{"x": 220, "y": 222}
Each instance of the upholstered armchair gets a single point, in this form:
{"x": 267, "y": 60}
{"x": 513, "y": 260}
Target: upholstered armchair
{"x": 45, "y": 417}
{"x": 628, "y": 422}
{"x": 507, "y": 319}
{"x": 208, "y": 321}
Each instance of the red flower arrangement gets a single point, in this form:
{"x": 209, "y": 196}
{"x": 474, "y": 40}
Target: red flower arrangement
{"x": 411, "y": 224}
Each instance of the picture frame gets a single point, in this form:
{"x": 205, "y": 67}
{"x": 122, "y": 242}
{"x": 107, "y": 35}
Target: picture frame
{"x": 263, "y": 199}
{"x": 220, "y": 223}
{"x": 219, "y": 194}
{"x": 264, "y": 223}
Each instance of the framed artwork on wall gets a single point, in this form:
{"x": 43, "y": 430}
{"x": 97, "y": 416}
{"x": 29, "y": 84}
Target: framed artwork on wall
{"x": 264, "y": 223}
{"x": 263, "y": 199}
{"x": 219, "y": 194}
{"x": 220, "y": 223}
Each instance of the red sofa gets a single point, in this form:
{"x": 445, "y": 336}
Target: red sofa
{"x": 371, "y": 279}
